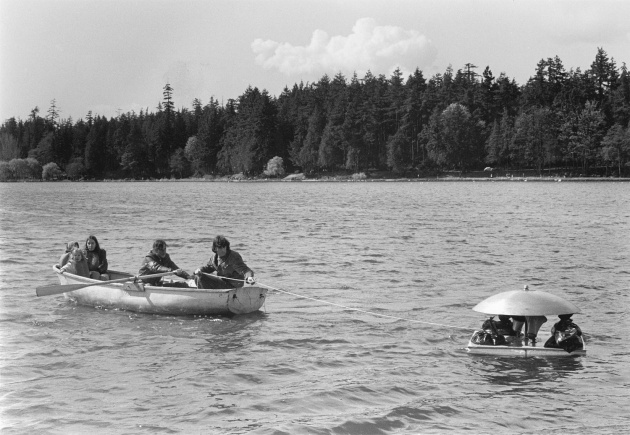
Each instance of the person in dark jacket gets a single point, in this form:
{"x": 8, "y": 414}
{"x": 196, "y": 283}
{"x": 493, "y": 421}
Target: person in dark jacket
{"x": 505, "y": 326}
{"x": 96, "y": 258}
{"x": 565, "y": 334}
{"x": 158, "y": 261}
{"x": 231, "y": 270}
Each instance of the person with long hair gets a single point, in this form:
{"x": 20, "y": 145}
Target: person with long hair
{"x": 96, "y": 258}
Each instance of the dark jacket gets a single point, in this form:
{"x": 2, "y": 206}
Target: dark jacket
{"x": 96, "y": 260}
{"x": 153, "y": 264}
{"x": 563, "y": 325}
{"x": 230, "y": 266}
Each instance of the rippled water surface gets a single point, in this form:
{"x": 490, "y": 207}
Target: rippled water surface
{"x": 410, "y": 252}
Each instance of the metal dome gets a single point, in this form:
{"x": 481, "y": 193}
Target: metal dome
{"x": 525, "y": 303}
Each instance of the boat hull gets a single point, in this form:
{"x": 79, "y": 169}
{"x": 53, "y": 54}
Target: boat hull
{"x": 142, "y": 298}
{"x": 517, "y": 348}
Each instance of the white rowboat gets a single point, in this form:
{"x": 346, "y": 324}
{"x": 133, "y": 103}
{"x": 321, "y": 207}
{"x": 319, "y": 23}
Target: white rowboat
{"x": 134, "y": 295}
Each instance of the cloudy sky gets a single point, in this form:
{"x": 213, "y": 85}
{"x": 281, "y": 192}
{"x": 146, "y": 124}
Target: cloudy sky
{"x": 112, "y": 56}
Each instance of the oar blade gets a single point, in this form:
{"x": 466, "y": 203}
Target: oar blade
{"x": 50, "y": 290}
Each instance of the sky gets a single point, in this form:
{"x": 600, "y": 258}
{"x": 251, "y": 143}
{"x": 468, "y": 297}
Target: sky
{"x": 116, "y": 56}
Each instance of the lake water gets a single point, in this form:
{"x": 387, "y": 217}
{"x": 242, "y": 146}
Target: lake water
{"x": 415, "y": 251}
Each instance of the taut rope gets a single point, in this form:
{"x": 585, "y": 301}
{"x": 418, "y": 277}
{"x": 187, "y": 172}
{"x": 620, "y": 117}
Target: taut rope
{"x": 350, "y": 308}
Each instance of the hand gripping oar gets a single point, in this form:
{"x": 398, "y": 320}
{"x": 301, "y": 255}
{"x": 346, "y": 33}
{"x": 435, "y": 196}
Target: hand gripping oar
{"x": 49, "y": 290}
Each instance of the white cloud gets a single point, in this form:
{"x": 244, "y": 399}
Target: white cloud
{"x": 379, "y": 49}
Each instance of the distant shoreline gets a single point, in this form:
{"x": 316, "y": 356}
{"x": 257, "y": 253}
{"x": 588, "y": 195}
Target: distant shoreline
{"x": 346, "y": 180}
{"x": 384, "y": 180}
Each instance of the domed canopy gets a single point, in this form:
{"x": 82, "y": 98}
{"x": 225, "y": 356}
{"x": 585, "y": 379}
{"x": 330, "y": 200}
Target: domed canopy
{"x": 525, "y": 303}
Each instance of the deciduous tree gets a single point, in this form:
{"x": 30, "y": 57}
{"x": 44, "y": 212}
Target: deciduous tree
{"x": 51, "y": 171}
{"x": 275, "y": 167}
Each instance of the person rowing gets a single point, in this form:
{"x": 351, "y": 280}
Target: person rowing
{"x": 158, "y": 261}
{"x": 231, "y": 270}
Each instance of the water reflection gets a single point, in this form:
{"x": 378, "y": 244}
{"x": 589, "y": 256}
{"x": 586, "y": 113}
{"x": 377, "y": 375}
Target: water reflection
{"x": 514, "y": 372}
{"x": 233, "y": 333}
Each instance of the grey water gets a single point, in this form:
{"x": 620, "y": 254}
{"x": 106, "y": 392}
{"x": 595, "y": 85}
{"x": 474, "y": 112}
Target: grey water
{"x": 403, "y": 253}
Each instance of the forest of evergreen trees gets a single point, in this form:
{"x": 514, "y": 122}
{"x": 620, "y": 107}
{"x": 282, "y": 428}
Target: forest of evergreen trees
{"x": 460, "y": 120}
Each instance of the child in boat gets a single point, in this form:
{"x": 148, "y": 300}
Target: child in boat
{"x": 66, "y": 256}
{"x": 565, "y": 334}
{"x": 77, "y": 265}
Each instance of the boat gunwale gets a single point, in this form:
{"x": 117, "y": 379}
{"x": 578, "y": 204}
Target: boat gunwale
{"x": 147, "y": 288}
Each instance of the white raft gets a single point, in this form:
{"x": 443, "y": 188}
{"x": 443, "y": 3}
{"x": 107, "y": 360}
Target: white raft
{"x": 524, "y": 303}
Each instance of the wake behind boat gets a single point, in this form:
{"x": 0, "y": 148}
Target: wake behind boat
{"x": 531, "y": 307}
{"x": 133, "y": 295}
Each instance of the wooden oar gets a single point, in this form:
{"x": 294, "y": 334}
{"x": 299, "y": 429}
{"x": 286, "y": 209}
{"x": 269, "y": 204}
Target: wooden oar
{"x": 50, "y": 290}
{"x": 225, "y": 277}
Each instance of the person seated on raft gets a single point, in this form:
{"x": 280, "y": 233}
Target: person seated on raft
{"x": 565, "y": 334}
{"x": 504, "y": 326}
{"x": 491, "y": 335}
{"x": 231, "y": 270}
{"x": 501, "y": 327}
{"x": 532, "y": 326}
{"x": 158, "y": 261}
{"x": 517, "y": 325}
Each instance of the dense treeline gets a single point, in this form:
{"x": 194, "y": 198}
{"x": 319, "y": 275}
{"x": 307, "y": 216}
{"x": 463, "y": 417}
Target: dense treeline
{"x": 459, "y": 120}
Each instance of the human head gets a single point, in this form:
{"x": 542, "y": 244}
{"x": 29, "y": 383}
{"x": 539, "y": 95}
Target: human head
{"x": 77, "y": 254}
{"x": 504, "y": 318}
{"x": 220, "y": 242}
{"x": 159, "y": 247}
{"x": 95, "y": 247}
{"x": 565, "y": 316}
{"x": 71, "y": 245}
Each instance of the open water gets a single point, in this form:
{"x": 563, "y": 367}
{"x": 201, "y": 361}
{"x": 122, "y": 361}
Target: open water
{"x": 421, "y": 251}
